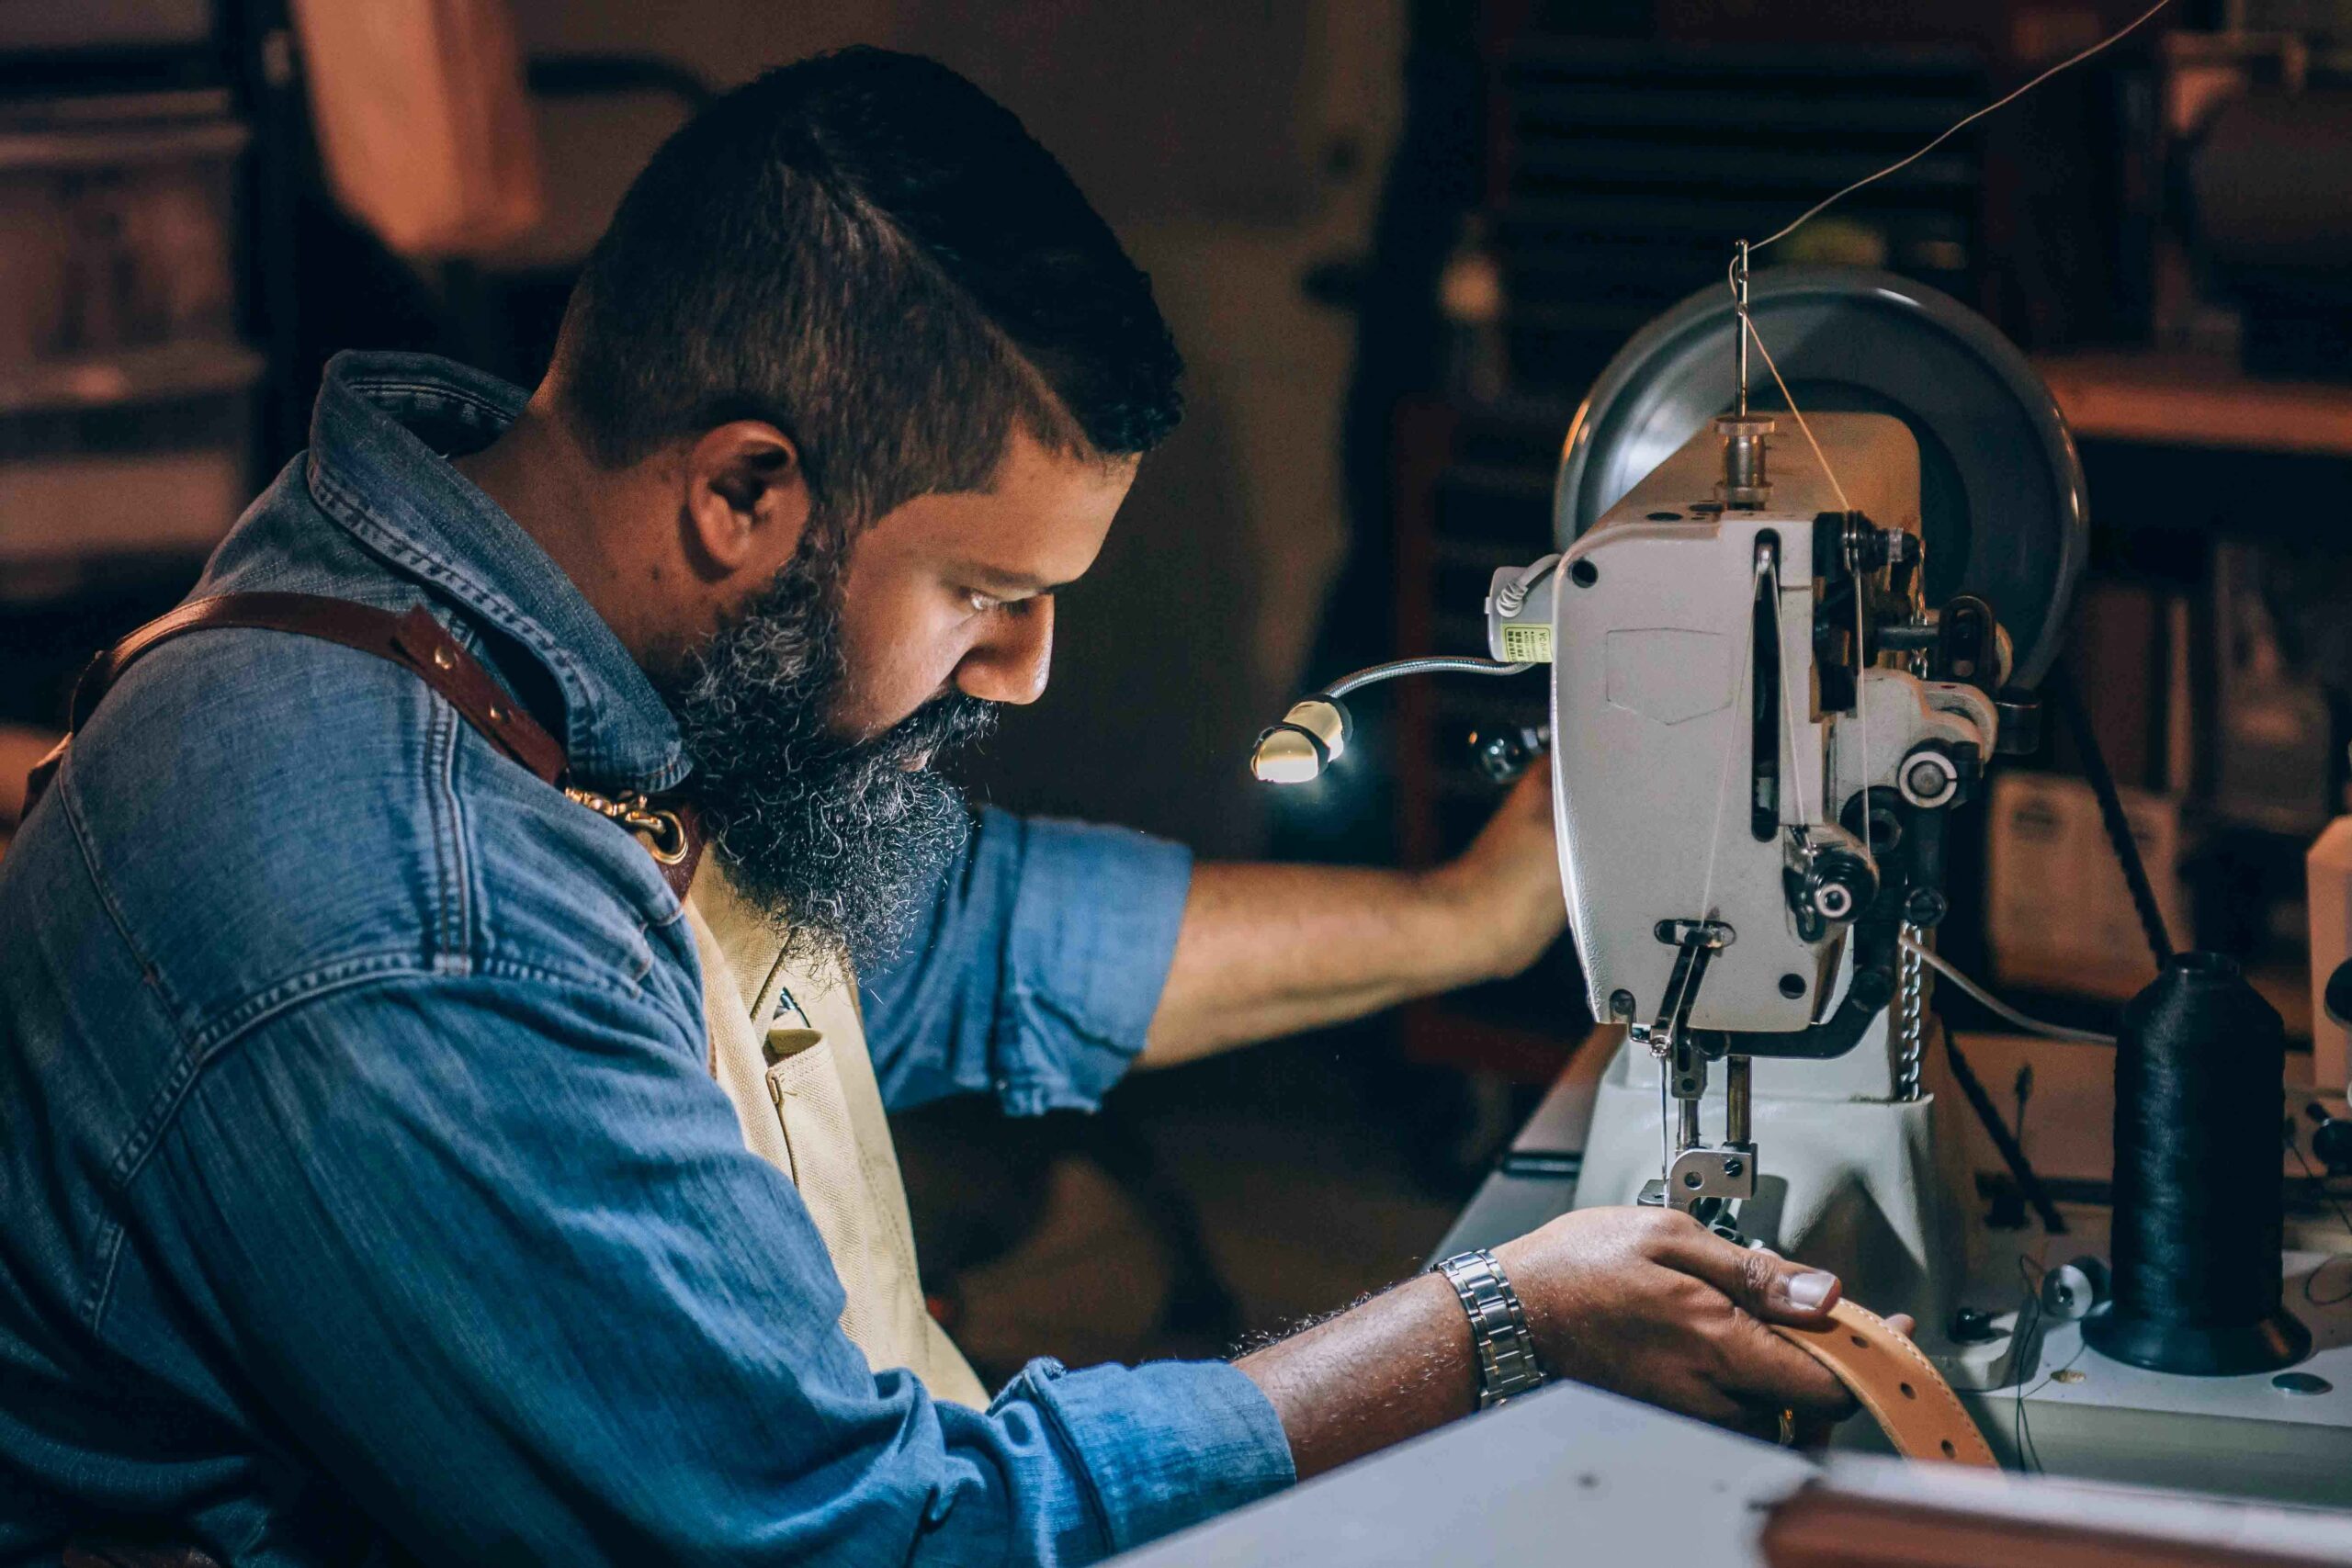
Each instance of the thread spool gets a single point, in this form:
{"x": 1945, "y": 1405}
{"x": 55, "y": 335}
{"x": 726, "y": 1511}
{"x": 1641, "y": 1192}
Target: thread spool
{"x": 2199, "y": 1209}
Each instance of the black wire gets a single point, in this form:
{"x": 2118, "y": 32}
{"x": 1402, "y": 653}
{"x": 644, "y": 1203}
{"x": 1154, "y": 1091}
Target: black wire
{"x": 2319, "y": 1185}
{"x": 2030, "y": 1319}
{"x": 2060, "y": 683}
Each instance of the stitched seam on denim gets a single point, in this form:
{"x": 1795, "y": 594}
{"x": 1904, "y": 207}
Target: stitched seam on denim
{"x": 563, "y": 974}
{"x": 378, "y": 531}
{"x": 132, "y": 1158}
{"x": 1088, "y": 1492}
{"x": 438, "y": 391}
{"x": 276, "y": 996}
{"x": 106, "y": 1260}
{"x": 381, "y": 534}
{"x": 448, "y": 918}
{"x": 175, "y": 1013}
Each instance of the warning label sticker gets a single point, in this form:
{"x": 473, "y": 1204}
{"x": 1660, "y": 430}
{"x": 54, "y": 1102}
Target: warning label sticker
{"x": 1527, "y": 644}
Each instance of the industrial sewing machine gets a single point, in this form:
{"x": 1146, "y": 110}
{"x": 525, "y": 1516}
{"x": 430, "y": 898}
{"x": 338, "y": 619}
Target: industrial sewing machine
{"x": 1782, "y": 647}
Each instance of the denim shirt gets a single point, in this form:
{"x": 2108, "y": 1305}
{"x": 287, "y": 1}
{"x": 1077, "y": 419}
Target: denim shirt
{"x": 362, "y": 1180}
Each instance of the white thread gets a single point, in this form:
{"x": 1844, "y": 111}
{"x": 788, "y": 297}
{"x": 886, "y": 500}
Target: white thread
{"x": 1818, "y": 456}
{"x": 1818, "y": 207}
{"x": 1937, "y": 962}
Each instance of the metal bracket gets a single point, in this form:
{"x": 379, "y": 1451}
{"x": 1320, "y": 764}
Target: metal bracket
{"x": 1698, "y": 941}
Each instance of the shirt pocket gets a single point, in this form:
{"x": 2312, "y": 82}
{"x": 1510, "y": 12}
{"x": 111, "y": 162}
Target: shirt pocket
{"x": 829, "y": 1169}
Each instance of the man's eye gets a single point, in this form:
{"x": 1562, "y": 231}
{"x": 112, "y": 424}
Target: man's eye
{"x": 980, "y": 602}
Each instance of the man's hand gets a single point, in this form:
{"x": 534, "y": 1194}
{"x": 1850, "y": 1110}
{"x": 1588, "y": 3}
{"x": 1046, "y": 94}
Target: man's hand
{"x": 1650, "y": 1303}
{"x": 1642, "y": 1302}
{"x": 1505, "y": 888}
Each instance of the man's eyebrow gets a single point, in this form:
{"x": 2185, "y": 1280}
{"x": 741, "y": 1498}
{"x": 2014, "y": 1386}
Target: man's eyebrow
{"x": 996, "y": 579}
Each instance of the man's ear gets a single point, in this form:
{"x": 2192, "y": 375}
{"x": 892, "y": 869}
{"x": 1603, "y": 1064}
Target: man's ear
{"x": 746, "y": 501}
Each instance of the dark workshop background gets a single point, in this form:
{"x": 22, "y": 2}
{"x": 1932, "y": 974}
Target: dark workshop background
{"x": 1396, "y": 239}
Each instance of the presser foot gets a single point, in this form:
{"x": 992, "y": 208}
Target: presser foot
{"x": 1716, "y": 1209}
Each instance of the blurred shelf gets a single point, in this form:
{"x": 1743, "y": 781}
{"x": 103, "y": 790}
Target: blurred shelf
{"x": 78, "y": 144}
{"x": 164, "y": 372}
{"x": 2182, "y": 401}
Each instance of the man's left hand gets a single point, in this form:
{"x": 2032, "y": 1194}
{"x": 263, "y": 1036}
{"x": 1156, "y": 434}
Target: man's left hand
{"x": 1506, "y": 885}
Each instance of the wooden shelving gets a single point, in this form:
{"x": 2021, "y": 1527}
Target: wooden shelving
{"x": 2172, "y": 399}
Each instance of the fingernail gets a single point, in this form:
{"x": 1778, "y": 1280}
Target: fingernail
{"x": 1809, "y": 1290}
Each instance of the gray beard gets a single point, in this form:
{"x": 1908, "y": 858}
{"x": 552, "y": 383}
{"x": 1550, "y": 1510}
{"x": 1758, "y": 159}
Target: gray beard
{"x": 840, "y": 844}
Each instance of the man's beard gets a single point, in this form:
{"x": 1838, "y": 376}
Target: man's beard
{"x": 839, "y": 843}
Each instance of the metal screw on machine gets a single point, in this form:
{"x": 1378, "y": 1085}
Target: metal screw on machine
{"x": 1926, "y": 907}
{"x": 1503, "y": 754}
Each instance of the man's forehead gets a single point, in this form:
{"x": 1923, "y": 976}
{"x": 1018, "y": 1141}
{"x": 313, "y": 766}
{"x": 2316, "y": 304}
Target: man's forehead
{"x": 1039, "y": 523}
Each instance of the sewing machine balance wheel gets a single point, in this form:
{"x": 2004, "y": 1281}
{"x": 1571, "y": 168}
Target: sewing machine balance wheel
{"x": 2002, "y": 507}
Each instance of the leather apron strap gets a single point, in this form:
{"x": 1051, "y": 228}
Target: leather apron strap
{"x": 417, "y": 643}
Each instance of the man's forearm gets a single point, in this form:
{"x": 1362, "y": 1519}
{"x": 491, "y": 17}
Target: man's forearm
{"x": 1270, "y": 949}
{"x": 1389, "y": 1370}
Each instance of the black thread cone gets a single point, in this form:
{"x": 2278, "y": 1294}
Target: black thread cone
{"x": 2198, "y": 1210}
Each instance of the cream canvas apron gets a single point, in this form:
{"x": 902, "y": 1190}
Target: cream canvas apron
{"x": 789, "y": 1049}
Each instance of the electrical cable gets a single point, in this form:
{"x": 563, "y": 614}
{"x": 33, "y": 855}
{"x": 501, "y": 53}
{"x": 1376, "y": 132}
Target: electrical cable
{"x": 2061, "y": 685}
{"x": 2029, "y": 1319}
{"x": 1428, "y": 664}
{"x": 2067, "y": 64}
{"x": 1512, "y": 596}
{"x": 1991, "y": 1003}
{"x": 2319, "y": 1185}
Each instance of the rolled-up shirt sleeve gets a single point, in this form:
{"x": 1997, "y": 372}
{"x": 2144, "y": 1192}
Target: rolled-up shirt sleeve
{"x": 1037, "y": 970}
{"x": 492, "y": 1253}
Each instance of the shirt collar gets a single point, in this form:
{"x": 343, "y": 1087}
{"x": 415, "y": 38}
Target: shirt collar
{"x": 377, "y": 466}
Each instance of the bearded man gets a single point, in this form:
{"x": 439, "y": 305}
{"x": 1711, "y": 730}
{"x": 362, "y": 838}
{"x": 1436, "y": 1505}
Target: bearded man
{"x": 372, "y": 1182}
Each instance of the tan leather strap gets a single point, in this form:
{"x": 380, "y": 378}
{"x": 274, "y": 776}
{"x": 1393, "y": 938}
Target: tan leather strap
{"x": 417, "y": 643}
{"x": 1897, "y": 1383}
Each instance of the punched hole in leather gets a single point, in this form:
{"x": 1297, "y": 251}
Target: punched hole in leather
{"x": 1894, "y": 1381}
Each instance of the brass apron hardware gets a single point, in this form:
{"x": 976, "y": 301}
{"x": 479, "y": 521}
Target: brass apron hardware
{"x": 665, "y": 834}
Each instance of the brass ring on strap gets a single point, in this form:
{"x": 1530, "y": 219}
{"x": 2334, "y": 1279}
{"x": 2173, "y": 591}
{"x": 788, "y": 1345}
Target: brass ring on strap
{"x": 665, "y": 830}
{"x": 666, "y": 835}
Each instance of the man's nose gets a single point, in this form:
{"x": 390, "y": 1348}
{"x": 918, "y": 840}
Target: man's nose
{"x": 1011, "y": 664}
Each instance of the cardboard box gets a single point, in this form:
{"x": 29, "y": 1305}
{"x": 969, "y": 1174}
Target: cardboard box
{"x": 2058, "y": 915}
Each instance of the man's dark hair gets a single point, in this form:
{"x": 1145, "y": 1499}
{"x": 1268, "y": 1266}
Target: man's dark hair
{"x": 868, "y": 252}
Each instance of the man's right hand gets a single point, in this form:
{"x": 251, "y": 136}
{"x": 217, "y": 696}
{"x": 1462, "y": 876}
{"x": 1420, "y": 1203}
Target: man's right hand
{"x": 1650, "y": 1303}
{"x": 1642, "y": 1301}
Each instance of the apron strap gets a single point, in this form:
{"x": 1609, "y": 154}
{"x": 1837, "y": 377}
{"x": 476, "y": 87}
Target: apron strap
{"x": 412, "y": 639}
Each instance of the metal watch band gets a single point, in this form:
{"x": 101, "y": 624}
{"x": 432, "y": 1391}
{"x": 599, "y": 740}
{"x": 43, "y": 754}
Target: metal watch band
{"x": 1507, "y": 1364}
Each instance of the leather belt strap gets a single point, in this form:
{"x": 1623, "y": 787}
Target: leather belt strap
{"x": 1897, "y": 1383}
{"x": 417, "y": 643}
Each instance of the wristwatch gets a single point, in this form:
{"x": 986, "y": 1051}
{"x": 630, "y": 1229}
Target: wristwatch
{"x": 1507, "y": 1364}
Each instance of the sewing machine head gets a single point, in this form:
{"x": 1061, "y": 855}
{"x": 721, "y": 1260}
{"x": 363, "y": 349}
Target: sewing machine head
{"x": 1758, "y": 725}
{"x": 1775, "y": 669}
